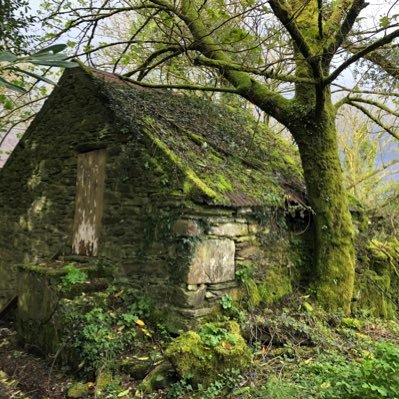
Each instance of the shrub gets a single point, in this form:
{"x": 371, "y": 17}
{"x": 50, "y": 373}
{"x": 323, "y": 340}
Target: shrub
{"x": 100, "y": 327}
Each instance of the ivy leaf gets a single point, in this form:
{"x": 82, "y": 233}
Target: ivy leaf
{"x": 34, "y": 75}
{"x": 11, "y": 86}
{"x": 384, "y": 22}
{"x": 55, "y": 48}
{"x": 123, "y": 393}
{"x": 61, "y": 64}
{"x": 48, "y": 57}
{"x": 7, "y": 56}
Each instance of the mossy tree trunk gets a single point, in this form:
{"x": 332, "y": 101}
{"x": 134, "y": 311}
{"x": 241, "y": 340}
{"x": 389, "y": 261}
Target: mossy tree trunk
{"x": 310, "y": 117}
{"x": 334, "y": 258}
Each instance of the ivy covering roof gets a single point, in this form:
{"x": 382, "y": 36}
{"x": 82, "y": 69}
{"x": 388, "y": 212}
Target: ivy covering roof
{"x": 223, "y": 152}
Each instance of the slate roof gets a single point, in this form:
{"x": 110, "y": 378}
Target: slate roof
{"x": 223, "y": 151}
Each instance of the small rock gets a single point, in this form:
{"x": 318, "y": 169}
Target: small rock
{"x": 158, "y": 378}
{"x": 137, "y": 367}
{"x": 194, "y": 313}
{"x": 190, "y": 299}
{"x": 78, "y": 390}
{"x": 222, "y": 286}
{"x": 210, "y": 295}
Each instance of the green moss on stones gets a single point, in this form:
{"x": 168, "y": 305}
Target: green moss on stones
{"x": 373, "y": 294}
{"x": 104, "y": 379}
{"x": 191, "y": 176}
{"x": 47, "y": 270}
{"x": 377, "y": 281}
{"x": 158, "y": 378}
{"x": 276, "y": 285}
{"x": 215, "y": 348}
{"x": 78, "y": 390}
{"x": 273, "y": 287}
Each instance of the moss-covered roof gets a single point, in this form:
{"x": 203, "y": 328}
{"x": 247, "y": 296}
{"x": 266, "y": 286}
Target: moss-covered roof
{"x": 222, "y": 152}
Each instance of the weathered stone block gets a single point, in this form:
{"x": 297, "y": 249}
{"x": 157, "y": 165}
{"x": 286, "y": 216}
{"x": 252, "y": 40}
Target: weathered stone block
{"x": 190, "y": 299}
{"x": 183, "y": 227}
{"x": 212, "y": 262}
{"x": 222, "y": 286}
{"x": 195, "y": 313}
{"x": 248, "y": 251}
{"x": 230, "y": 230}
{"x": 254, "y": 228}
{"x": 258, "y": 229}
{"x": 244, "y": 211}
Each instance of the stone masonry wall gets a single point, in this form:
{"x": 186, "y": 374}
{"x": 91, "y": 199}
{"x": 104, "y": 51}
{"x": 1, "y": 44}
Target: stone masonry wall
{"x": 206, "y": 247}
{"x": 37, "y": 184}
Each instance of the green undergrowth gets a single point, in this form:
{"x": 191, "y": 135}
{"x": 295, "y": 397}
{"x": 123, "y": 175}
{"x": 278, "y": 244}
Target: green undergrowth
{"x": 300, "y": 351}
{"x": 287, "y": 349}
{"x": 101, "y": 328}
{"x": 303, "y": 352}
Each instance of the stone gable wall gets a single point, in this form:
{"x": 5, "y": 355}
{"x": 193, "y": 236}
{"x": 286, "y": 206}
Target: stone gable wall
{"x": 37, "y": 185}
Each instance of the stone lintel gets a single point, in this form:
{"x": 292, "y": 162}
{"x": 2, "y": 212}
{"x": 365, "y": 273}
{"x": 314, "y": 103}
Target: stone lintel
{"x": 230, "y": 230}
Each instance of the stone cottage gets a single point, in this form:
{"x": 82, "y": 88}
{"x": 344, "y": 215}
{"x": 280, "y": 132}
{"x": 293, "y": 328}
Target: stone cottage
{"x": 171, "y": 191}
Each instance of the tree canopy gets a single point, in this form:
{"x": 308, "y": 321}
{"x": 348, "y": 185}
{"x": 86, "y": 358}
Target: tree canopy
{"x": 15, "y": 18}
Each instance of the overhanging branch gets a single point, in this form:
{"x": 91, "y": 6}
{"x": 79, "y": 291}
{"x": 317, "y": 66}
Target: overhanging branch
{"x": 346, "y": 26}
{"x": 361, "y": 54}
{"x": 283, "y": 14}
{"x": 201, "y": 60}
{"x": 260, "y": 94}
{"x": 374, "y": 119}
{"x": 376, "y": 58}
{"x": 181, "y": 86}
{"x": 377, "y": 104}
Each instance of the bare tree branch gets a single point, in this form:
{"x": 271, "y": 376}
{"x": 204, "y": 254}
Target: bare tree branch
{"x": 236, "y": 67}
{"x": 374, "y": 119}
{"x": 376, "y": 58}
{"x": 361, "y": 54}
{"x": 182, "y": 87}
{"x": 288, "y": 20}
{"x": 373, "y": 173}
{"x": 346, "y": 26}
